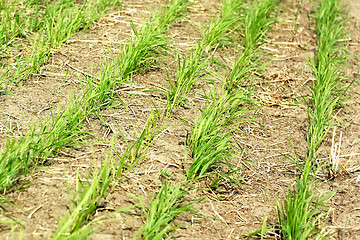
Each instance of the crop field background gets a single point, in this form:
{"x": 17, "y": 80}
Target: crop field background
{"x": 179, "y": 119}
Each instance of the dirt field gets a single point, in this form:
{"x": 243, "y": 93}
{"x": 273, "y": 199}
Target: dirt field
{"x": 229, "y": 212}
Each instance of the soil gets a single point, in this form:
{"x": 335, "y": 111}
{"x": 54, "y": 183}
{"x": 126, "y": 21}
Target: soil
{"x": 228, "y": 213}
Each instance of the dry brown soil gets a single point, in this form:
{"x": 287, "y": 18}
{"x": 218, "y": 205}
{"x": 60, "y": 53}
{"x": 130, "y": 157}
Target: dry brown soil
{"x": 229, "y": 212}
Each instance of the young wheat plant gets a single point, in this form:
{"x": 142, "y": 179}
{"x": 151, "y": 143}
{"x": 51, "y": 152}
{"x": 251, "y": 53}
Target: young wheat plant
{"x": 210, "y": 139}
{"x": 167, "y": 204}
{"x": 303, "y": 215}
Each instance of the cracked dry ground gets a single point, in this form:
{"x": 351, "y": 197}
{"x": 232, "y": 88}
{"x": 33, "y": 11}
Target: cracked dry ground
{"x": 241, "y": 209}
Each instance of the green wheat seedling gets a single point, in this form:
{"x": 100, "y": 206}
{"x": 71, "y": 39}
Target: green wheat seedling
{"x": 21, "y": 19}
{"x": 210, "y": 140}
{"x": 136, "y": 150}
{"x": 193, "y": 68}
{"x": 302, "y": 215}
{"x": 256, "y": 24}
{"x": 150, "y": 42}
{"x": 62, "y": 22}
{"x": 52, "y": 24}
{"x": 167, "y": 204}
{"x": 43, "y": 141}
{"x": 64, "y": 18}
{"x": 189, "y": 70}
{"x": 223, "y": 27}
{"x": 142, "y": 51}
{"x": 11, "y": 73}
{"x": 240, "y": 73}
{"x": 11, "y": 22}
{"x": 325, "y": 97}
{"x": 78, "y": 222}
{"x": 329, "y": 86}
{"x": 176, "y": 10}
{"x": 104, "y": 88}
{"x": 18, "y": 20}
